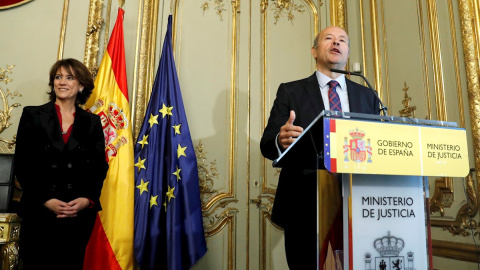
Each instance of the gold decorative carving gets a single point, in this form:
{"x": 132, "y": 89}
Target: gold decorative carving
{"x": 264, "y": 202}
{"x": 407, "y": 111}
{"x": 95, "y": 22}
{"x": 464, "y": 224}
{"x": 263, "y": 5}
{"x": 213, "y": 221}
{"x": 10, "y": 232}
{"x": 10, "y": 227}
{"x": 282, "y": 8}
{"x": 15, "y": 231}
{"x": 227, "y": 220}
{"x": 443, "y": 196}
{"x": 206, "y": 174}
{"x": 470, "y": 52}
{"x": 204, "y": 7}
{"x": 219, "y": 7}
{"x": 6, "y": 113}
{"x": 9, "y": 255}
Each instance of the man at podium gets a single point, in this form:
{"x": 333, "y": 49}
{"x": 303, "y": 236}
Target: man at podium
{"x": 296, "y": 105}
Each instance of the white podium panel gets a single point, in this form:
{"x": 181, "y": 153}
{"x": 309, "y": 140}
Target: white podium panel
{"x": 384, "y": 227}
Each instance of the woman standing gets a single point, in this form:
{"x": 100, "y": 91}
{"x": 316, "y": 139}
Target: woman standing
{"x": 60, "y": 164}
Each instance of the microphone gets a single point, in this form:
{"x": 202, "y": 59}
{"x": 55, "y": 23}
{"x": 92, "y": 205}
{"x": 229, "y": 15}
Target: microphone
{"x": 382, "y": 107}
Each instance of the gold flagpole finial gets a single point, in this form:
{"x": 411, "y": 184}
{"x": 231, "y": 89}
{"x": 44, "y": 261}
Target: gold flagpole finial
{"x": 121, "y": 3}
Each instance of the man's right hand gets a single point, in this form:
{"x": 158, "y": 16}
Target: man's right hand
{"x": 289, "y": 132}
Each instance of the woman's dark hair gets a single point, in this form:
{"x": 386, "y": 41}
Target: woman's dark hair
{"x": 80, "y": 72}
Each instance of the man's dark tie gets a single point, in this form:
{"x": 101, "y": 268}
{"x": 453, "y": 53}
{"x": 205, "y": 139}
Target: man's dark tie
{"x": 333, "y": 98}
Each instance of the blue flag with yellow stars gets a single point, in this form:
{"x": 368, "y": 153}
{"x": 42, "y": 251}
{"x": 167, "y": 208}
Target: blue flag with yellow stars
{"x": 168, "y": 215}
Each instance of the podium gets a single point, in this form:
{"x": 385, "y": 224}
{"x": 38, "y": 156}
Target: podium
{"x": 383, "y": 162}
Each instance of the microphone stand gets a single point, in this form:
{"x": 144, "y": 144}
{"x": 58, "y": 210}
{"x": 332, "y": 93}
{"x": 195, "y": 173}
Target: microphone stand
{"x": 382, "y": 107}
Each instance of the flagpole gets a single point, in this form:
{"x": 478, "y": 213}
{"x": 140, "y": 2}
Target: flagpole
{"x": 63, "y": 30}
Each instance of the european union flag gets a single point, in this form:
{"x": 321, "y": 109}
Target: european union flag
{"x": 168, "y": 215}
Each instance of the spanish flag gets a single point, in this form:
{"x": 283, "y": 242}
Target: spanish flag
{"x": 111, "y": 242}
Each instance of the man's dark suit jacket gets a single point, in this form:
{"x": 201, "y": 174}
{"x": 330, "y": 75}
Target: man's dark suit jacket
{"x": 46, "y": 168}
{"x": 295, "y": 192}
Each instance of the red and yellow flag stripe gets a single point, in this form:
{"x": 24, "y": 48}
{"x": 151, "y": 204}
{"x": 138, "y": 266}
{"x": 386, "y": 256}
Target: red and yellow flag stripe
{"x": 111, "y": 243}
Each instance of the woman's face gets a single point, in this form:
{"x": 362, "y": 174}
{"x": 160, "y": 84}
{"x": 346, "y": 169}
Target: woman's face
{"x": 66, "y": 86}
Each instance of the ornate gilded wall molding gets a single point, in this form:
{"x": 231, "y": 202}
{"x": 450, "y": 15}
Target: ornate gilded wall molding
{"x": 94, "y": 26}
{"x": 453, "y": 250}
{"x": 464, "y": 223}
{"x": 264, "y": 10}
{"x": 453, "y": 33}
{"x": 215, "y": 212}
{"x": 442, "y": 197}
{"x": 362, "y": 33}
{"x": 229, "y": 195}
{"x": 214, "y": 222}
{"x": 228, "y": 220}
{"x": 470, "y": 52}
{"x": 337, "y": 13}
{"x": 233, "y": 94}
{"x": 377, "y": 66}
{"x": 436, "y": 61}
{"x": 217, "y": 215}
{"x": 146, "y": 60}
{"x": 385, "y": 55}
{"x": 426, "y": 77}
{"x": 6, "y": 111}
{"x": 266, "y": 219}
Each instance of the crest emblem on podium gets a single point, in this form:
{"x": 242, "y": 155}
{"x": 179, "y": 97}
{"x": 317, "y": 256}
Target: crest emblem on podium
{"x": 389, "y": 247}
{"x": 360, "y": 149}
